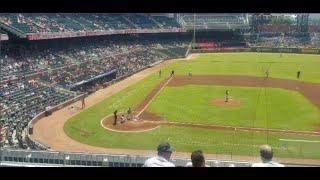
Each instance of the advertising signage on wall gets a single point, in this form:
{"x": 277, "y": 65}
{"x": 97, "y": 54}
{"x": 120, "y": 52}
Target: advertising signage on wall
{"x": 310, "y": 51}
{"x": 286, "y": 50}
{"x": 260, "y": 49}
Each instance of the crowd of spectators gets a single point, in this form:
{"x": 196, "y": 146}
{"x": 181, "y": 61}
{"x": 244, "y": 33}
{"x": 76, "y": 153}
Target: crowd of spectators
{"x": 62, "y": 22}
{"x": 20, "y": 101}
{"x": 278, "y": 28}
{"x": 286, "y": 40}
{"x": 74, "y": 63}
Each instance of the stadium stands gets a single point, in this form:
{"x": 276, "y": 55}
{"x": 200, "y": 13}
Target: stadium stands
{"x": 215, "y": 21}
{"x": 77, "y": 63}
{"x": 31, "y": 72}
{"x": 299, "y": 40}
{"x": 27, "y": 23}
{"x": 20, "y": 101}
{"x": 278, "y": 28}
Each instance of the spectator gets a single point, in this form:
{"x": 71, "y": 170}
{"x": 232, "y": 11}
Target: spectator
{"x": 162, "y": 160}
{"x": 197, "y": 159}
{"x": 266, "y": 154}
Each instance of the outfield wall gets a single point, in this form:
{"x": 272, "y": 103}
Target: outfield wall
{"x": 260, "y": 49}
{"x": 217, "y": 50}
{"x": 286, "y": 50}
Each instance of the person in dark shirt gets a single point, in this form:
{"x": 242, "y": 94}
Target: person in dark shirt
{"x": 227, "y": 96}
{"x": 172, "y": 72}
{"x": 115, "y": 117}
{"x": 83, "y": 102}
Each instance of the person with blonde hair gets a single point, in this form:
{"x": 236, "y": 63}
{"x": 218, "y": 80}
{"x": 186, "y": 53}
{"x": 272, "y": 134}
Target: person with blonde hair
{"x": 266, "y": 155}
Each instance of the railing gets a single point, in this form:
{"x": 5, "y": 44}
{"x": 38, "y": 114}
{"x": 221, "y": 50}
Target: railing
{"x": 29, "y": 158}
{"x": 61, "y": 159}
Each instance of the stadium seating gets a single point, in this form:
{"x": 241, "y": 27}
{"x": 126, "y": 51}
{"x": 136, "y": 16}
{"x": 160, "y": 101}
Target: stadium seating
{"x": 282, "y": 40}
{"x": 20, "y": 102}
{"x": 208, "y": 21}
{"x": 165, "y": 21}
{"x": 53, "y": 23}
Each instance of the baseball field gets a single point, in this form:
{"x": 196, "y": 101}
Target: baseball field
{"x": 190, "y": 111}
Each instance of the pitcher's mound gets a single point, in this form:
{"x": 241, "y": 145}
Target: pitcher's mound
{"x": 222, "y": 102}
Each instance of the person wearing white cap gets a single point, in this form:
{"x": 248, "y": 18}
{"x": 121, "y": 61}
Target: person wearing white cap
{"x": 162, "y": 160}
{"x": 266, "y": 154}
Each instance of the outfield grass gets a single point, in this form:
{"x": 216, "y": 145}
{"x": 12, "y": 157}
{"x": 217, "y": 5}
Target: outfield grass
{"x": 260, "y": 107}
{"x": 254, "y": 64}
{"x": 187, "y": 139}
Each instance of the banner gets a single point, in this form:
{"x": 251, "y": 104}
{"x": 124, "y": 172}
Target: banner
{"x": 285, "y": 50}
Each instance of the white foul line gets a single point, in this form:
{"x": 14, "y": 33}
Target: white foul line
{"x": 145, "y": 107}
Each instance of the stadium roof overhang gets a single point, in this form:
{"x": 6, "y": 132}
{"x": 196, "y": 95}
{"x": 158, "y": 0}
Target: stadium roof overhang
{"x": 13, "y": 30}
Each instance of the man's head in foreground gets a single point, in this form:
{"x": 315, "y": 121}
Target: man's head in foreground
{"x": 165, "y": 150}
{"x": 266, "y": 153}
{"x": 197, "y": 159}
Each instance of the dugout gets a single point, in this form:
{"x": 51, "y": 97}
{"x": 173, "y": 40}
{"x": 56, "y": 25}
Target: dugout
{"x": 89, "y": 83}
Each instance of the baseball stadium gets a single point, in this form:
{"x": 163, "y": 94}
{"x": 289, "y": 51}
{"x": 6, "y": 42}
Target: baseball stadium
{"x": 107, "y": 89}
